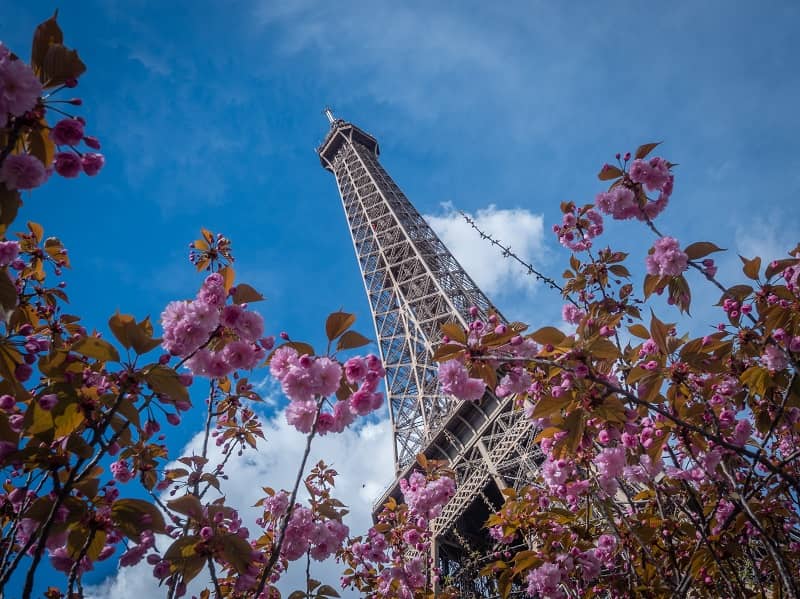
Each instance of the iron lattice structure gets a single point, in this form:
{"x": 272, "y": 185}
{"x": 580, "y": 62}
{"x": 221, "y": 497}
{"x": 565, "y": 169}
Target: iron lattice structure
{"x": 414, "y": 285}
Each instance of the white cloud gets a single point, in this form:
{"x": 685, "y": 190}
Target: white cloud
{"x": 519, "y": 229}
{"x": 362, "y": 457}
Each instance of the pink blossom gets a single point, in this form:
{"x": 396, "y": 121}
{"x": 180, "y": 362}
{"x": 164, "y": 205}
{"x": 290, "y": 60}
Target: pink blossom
{"x": 199, "y": 362}
{"x": 297, "y": 534}
{"x": 361, "y": 402}
{"x": 300, "y": 414}
{"x": 48, "y": 402}
{"x": 544, "y": 581}
{"x": 9, "y": 250}
{"x": 22, "y": 171}
{"x": 299, "y": 382}
{"x": 67, "y": 132}
{"x": 455, "y": 380}
{"x": 343, "y": 416}
{"x": 67, "y": 164}
{"x": 121, "y": 471}
{"x": 653, "y": 174}
{"x": 667, "y": 258}
{"x": 239, "y": 355}
{"x": 230, "y": 315}
{"x": 218, "y": 365}
{"x": 283, "y": 358}
{"x": 572, "y": 314}
{"x": 355, "y": 369}
{"x": 250, "y": 326}
{"x": 92, "y": 163}
{"x": 610, "y": 463}
{"x": 212, "y": 291}
{"x": 425, "y": 498}
{"x": 619, "y": 202}
{"x": 326, "y": 423}
{"x": 187, "y": 325}
{"x": 329, "y": 377}
{"x": 774, "y": 358}
{"x": 20, "y": 88}
{"x": 277, "y": 504}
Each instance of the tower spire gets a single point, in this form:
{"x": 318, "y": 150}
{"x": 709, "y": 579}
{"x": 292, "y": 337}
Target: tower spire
{"x": 328, "y": 111}
{"x": 414, "y": 286}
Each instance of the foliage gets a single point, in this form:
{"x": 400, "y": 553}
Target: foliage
{"x": 670, "y": 461}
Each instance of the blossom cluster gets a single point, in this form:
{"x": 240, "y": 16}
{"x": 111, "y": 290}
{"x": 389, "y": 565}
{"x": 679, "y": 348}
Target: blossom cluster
{"x": 304, "y": 378}
{"x": 667, "y": 259}
{"x": 236, "y": 332}
{"x": 22, "y": 109}
{"x": 578, "y": 228}
{"x": 626, "y": 198}
{"x": 379, "y": 559}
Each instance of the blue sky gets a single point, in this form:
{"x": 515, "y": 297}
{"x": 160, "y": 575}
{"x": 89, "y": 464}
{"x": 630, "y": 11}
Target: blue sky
{"x": 209, "y": 114}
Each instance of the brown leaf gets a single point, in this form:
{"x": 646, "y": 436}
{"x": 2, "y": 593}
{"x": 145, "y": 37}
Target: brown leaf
{"x": 8, "y": 292}
{"x": 46, "y": 33}
{"x": 447, "y": 351}
{"x": 164, "y": 380}
{"x": 337, "y": 323}
{"x": 134, "y": 516}
{"x": 609, "y": 172}
{"x": 351, "y": 340}
{"x": 455, "y": 332}
{"x": 751, "y": 267}
{"x": 548, "y": 335}
{"x": 188, "y": 505}
{"x": 40, "y": 144}
{"x": 658, "y": 331}
{"x": 639, "y": 331}
{"x": 246, "y": 294}
{"x": 643, "y": 150}
{"x": 701, "y": 249}
{"x": 775, "y": 266}
{"x": 9, "y": 205}
{"x": 228, "y": 274}
{"x": 60, "y": 65}
{"x": 237, "y": 552}
{"x": 118, "y": 324}
{"x": 94, "y": 347}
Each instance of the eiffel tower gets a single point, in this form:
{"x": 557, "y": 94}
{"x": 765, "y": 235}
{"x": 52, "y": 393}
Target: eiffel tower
{"x": 414, "y": 286}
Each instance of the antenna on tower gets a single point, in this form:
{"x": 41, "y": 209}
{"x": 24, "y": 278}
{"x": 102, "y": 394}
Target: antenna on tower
{"x": 328, "y": 112}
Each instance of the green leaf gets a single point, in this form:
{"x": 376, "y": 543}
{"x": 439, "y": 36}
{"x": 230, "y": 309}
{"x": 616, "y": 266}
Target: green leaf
{"x": 337, "y": 323}
{"x": 94, "y": 347}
